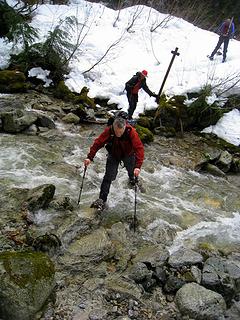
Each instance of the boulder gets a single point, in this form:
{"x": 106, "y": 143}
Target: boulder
{"x": 17, "y": 121}
{"x": 26, "y": 281}
{"x": 200, "y": 303}
{"x": 12, "y": 81}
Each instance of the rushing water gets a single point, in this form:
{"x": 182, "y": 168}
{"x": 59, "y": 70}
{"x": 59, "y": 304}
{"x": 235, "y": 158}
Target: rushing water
{"x": 200, "y": 208}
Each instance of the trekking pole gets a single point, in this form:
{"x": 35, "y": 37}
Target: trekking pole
{"x": 135, "y": 205}
{"x": 84, "y": 172}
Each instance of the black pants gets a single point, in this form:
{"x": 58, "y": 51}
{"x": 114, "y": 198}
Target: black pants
{"x": 132, "y": 100}
{"x": 225, "y": 41}
{"x": 111, "y": 173}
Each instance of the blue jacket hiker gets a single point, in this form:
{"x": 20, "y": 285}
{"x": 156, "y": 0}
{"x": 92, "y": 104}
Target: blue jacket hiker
{"x": 226, "y": 31}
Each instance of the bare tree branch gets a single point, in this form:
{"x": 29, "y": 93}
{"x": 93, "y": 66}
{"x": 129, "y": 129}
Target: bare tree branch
{"x": 114, "y": 44}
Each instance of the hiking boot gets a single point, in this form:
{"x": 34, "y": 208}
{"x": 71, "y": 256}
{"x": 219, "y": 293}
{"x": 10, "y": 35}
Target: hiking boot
{"x": 210, "y": 58}
{"x": 223, "y": 60}
{"x": 98, "y": 204}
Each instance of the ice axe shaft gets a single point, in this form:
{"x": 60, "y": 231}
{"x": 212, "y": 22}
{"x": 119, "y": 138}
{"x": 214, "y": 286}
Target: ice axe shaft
{"x": 174, "y": 53}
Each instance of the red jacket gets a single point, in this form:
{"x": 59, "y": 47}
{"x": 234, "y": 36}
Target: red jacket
{"x": 129, "y": 143}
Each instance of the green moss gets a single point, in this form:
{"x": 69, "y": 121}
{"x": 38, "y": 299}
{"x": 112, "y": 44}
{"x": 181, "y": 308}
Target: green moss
{"x": 12, "y": 81}
{"x": 27, "y": 267}
{"x": 64, "y": 93}
{"x": 206, "y": 246}
{"x": 83, "y": 98}
{"x": 203, "y": 114}
{"x": 9, "y": 76}
{"x": 145, "y": 134}
{"x": 144, "y": 122}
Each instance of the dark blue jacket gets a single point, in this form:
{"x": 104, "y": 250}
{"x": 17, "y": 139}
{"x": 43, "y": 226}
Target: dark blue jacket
{"x": 225, "y": 30}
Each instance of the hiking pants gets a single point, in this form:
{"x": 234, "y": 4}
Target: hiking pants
{"x": 132, "y": 100}
{"x": 111, "y": 173}
{"x": 225, "y": 41}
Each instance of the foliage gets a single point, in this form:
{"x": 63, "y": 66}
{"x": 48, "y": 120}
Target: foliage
{"x": 145, "y": 134}
{"x": 202, "y": 113}
{"x": 62, "y": 92}
{"x": 13, "y": 22}
{"x": 12, "y": 81}
{"x": 52, "y": 55}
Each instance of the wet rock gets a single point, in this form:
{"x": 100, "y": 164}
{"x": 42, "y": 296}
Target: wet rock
{"x": 50, "y": 108}
{"x": 173, "y": 283}
{"x": 97, "y": 315}
{"x": 184, "y": 257}
{"x": 89, "y": 248}
{"x": 17, "y": 121}
{"x": 40, "y": 197}
{"x": 48, "y": 242}
{"x": 200, "y": 303}
{"x": 45, "y": 121}
{"x": 214, "y": 170}
{"x": 71, "y": 118}
{"x": 162, "y": 232}
{"x": 196, "y": 274}
{"x": 223, "y": 276}
{"x": 233, "y": 313}
{"x": 160, "y": 274}
{"x": 62, "y": 203}
{"x": 26, "y": 281}
{"x": 152, "y": 255}
{"x": 224, "y": 161}
{"x": 139, "y": 272}
{"x": 125, "y": 287}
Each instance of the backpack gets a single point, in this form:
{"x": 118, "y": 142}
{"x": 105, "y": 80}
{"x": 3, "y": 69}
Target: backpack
{"x": 118, "y": 114}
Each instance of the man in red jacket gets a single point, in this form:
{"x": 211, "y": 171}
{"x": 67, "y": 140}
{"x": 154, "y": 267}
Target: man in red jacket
{"x": 132, "y": 86}
{"x": 123, "y": 144}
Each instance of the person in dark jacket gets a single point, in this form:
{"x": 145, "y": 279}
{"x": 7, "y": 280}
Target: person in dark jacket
{"x": 123, "y": 145}
{"x": 132, "y": 87}
{"x": 226, "y": 31}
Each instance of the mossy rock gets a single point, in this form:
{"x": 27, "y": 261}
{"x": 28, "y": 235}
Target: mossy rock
{"x": 165, "y": 131}
{"x": 64, "y": 93}
{"x": 85, "y": 99}
{"x": 12, "y": 81}
{"x": 26, "y": 281}
{"x": 170, "y": 111}
{"x": 203, "y": 114}
{"x": 235, "y": 166}
{"x": 145, "y": 134}
{"x": 144, "y": 122}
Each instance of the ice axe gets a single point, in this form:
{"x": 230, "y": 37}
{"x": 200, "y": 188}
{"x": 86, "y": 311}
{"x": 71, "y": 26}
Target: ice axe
{"x": 174, "y": 53}
{"x": 80, "y": 193}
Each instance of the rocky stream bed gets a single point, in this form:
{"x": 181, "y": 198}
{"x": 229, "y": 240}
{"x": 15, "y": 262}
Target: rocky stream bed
{"x": 60, "y": 260}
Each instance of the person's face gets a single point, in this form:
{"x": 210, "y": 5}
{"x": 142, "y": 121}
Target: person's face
{"x": 118, "y": 131}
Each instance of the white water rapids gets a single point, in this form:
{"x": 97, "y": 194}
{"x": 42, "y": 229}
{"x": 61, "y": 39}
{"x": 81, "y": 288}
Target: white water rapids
{"x": 199, "y": 207}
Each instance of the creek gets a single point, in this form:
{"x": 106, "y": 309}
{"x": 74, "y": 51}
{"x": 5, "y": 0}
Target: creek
{"x": 180, "y": 207}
